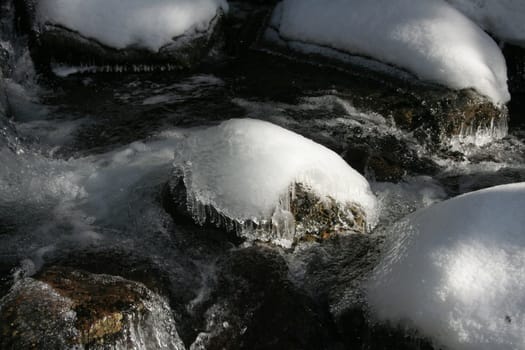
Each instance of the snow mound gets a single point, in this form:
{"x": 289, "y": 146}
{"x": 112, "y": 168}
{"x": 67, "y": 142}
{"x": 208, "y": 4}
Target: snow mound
{"x": 244, "y": 169}
{"x": 455, "y": 271}
{"x": 503, "y": 18}
{"x": 133, "y": 23}
{"x": 430, "y": 38}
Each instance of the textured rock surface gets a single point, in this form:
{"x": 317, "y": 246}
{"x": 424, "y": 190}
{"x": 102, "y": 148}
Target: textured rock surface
{"x": 61, "y": 308}
{"x": 315, "y": 219}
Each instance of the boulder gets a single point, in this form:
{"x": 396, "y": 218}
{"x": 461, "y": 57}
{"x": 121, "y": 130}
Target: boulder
{"x": 286, "y": 189}
{"x": 116, "y": 36}
{"x": 64, "y": 308}
{"x": 418, "y": 98}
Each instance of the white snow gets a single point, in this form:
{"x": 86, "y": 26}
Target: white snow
{"x": 146, "y": 24}
{"x": 245, "y": 167}
{"x": 429, "y": 38}
{"x": 503, "y": 18}
{"x": 456, "y": 270}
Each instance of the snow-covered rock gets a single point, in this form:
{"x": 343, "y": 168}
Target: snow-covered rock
{"x": 117, "y": 31}
{"x": 270, "y": 184}
{"x": 430, "y": 39}
{"x": 454, "y": 271}
{"x": 505, "y": 19}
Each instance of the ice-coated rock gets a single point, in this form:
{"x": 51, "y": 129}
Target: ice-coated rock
{"x": 430, "y": 39}
{"x": 454, "y": 271}
{"x": 64, "y": 308}
{"x": 175, "y": 33}
{"x": 269, "y": 184}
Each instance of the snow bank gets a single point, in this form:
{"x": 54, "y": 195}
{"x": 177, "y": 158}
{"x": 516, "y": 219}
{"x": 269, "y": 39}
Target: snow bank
{"x": 503, "y": 18}
{"x": 455, "y": 271}
{"x": 428, "y": 38}
{"x": 121, "y": 24}
{"x": 243, "y": 168}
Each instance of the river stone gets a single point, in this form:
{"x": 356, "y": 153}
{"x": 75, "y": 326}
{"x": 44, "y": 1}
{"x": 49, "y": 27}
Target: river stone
{"x": 66, "y": 308}
{"x": 54, "y": 43}
{"x": 433, "y": 112}
{"x": 315, "y": 219}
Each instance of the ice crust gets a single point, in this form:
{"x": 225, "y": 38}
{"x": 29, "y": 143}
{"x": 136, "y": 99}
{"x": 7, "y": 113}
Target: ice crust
{"x": 244, "y": 169}
{"x": 120, "y": 24}
{"x": 429, "y": 38}
{"x": 503, "y": 18}
{"x": 455, "y": 271}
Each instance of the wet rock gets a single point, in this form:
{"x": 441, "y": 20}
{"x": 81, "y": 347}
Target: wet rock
{"x": 255, "y": 306}
{"x": 433, "y": 112}
{"x": 314, "y": 218}
{"x": 64, "y": 308}
{"x": 55, "y": 43}
{"x": 387, "y": 158}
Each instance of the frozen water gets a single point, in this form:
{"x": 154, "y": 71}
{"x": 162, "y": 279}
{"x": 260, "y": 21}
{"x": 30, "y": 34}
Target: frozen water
{"x": 244, "y": 169}
{"x": 455, "y": 271}
{"x": 121, "y": 24}
{"x": 428, "y": 38}
{"x": 503, "y": 18}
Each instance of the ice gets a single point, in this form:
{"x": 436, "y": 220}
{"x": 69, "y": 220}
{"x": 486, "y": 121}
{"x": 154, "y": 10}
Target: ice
{"x": 429, "y": 38}
{"x": 503, "y": 18}
{"x": 244, "y": 169}
{"x": 455, "y": 271}
{"x": 121, "y": 24}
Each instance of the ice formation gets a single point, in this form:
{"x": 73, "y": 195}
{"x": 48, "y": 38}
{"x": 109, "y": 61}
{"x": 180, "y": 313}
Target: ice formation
{"x": 121, "y": 24}
{"x": 429, "y": 38}
{"x": 455, "y": 271}
{"x": 503, "y": 18}
{"x": 244, "y": 168}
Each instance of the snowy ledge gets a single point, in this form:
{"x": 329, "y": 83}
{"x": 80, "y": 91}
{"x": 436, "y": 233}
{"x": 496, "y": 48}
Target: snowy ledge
{"x": 429, "y": 39}
{"x": 270, "y": 184}
{"x": 455, "y": 271}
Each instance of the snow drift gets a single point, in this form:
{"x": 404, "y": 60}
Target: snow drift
{"x": 455, "y": 271}
{"x": 429, "y": 38}
{"x": 244, "y": 168}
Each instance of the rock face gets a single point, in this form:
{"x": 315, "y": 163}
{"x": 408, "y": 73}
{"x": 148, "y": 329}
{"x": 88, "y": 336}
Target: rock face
{"x": 64, "y": 308}
{"x": 58, "y": 43}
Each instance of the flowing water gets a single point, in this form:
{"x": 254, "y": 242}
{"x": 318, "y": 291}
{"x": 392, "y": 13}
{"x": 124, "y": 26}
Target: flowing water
{"x": 84, "y": 159}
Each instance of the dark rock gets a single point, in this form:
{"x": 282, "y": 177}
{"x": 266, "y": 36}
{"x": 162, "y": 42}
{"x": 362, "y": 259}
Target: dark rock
{"x": 433, "y": 112}
{"x": 387, "y": 158}
{"x": 255, "y": 306}
{"x": 62, "y": 308}
{"x": 315, "y": 219}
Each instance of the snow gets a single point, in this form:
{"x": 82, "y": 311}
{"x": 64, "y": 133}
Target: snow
{"x": 244, "y": 169}
{"x": 503, "y": 18}
{"x": 429, "y": 38}
{"x": 119, "y": 24}
{"x": 455, "y": 271}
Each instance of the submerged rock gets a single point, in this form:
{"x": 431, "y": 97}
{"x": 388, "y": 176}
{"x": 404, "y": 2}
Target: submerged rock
{"x": 120, "y": 37}
{"x": 256, "y": 306}
{"x": 64, "y": 308}
{"x": 269, "y": 184}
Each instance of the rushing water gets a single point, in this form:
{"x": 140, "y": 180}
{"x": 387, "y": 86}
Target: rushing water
{"x": 85, "y": 157}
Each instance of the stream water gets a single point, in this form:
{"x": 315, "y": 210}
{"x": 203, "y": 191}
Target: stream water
{"x": 84, "y": 159}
